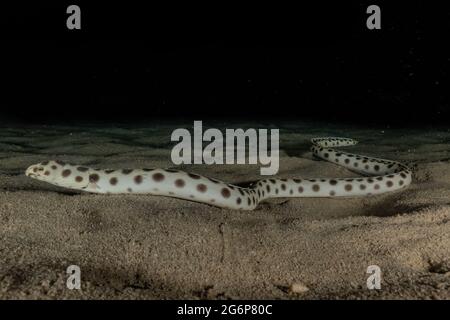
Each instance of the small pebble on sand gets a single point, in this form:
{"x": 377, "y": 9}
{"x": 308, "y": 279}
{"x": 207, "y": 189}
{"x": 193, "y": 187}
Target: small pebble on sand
{"x": 299, "y": 287}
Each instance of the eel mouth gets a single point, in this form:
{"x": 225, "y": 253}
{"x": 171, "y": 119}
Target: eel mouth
{"x": 31, "y": 175}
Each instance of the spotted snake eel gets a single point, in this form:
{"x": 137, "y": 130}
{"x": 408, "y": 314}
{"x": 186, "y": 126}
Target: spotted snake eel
{"x": 382, "y": 176}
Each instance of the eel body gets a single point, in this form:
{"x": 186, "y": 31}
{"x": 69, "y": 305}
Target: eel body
{"x": 380, "y": 176}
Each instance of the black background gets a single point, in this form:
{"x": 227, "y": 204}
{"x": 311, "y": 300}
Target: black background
{"x": 350, "y": 309}
{"x": 220, "y": 60}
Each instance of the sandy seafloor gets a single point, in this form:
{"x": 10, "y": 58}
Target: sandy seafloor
{"x": 147, "y": 247}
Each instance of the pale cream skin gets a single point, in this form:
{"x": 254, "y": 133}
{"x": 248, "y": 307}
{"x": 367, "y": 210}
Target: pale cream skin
{"x": 386, "y": 176}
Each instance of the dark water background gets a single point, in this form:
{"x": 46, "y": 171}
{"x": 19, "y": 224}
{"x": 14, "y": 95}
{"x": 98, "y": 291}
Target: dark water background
{"x": 152, "y": 63}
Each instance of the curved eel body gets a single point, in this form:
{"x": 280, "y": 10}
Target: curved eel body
{"x": 385, "y": 176}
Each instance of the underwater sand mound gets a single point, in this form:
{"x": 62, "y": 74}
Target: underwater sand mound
{"x": 139, "y": 246}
